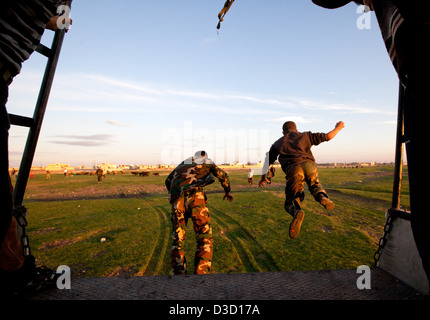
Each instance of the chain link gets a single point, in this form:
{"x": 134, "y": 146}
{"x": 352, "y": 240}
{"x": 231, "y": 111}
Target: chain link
{"x": 383, "y": 241}
{"x": 20, "y": 213}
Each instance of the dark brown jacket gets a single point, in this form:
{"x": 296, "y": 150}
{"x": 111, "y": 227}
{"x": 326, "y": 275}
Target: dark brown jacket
{"x": 295, "y": 147}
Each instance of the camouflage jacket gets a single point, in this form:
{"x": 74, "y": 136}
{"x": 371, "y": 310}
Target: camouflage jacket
{"x": 195, "y": 172}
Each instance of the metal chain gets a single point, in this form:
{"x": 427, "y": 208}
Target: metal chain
{"x": 44, "y": 276}
{"x": 383, "y": 241}
{"x": 20, "y": 213}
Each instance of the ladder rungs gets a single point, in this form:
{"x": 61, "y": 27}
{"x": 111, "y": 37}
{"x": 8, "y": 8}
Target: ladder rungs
{"x": 397, "y": 213}
{"x": 44, "y": 50}
{"x": 21, "y": 120}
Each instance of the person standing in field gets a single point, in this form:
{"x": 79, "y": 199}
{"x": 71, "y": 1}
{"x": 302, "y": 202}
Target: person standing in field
{"x": 250, "y": 176}
{"x": 185, "y": 185}
{"x": 298, "y": 163}
{"x": 99, "y": 174}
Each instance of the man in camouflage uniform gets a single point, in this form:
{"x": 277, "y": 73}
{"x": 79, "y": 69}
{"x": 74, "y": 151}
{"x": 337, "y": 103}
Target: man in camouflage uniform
{"x": 298, "y": 163}
{"x": 188, "y": 199}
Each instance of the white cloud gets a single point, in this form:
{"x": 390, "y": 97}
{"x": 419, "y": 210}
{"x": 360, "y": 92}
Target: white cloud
{"x": 84, "y": 140}
{"x": 116, "y": 123}
{"x": 296, "y": 119}
{"x": 210, "y": 40}
{"x": 123, "y": 84}
{"x": 389, "y": 122}
{"x": 77, "y": 93}
{"x": 349, "y": 108}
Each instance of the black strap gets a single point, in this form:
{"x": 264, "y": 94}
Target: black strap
{"x": 223, "y": 12}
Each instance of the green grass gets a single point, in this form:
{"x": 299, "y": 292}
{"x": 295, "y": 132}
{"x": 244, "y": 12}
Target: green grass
{"x": 68, "y": 217}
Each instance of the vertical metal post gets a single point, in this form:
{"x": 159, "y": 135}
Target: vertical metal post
{"x": 398, "y": 164}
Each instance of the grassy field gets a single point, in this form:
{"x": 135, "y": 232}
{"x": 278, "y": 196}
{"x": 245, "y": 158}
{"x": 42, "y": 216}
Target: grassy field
{"x": 68, "y": 217}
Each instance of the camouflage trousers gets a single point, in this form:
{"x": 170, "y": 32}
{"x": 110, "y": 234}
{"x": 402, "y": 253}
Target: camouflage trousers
{"x": 297, "y": 175}
{"x": 192, "y": 203}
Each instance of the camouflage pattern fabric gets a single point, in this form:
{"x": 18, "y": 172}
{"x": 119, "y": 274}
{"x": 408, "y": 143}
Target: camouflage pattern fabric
{"x": 185, "y": 185}
{"x": 297, "y": 175}
{"x": 269, "y": 174}
{"x": 192, "y": 203}
{"x": 192, "y": 173}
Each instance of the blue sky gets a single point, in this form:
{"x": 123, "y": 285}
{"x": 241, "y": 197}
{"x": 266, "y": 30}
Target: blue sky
{"x": 150, "y": 82}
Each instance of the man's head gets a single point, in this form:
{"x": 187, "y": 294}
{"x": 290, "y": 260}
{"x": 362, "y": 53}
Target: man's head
{"x": 201, "y": 153}
{"x": 289, "y": 126}
{"x": 334, "y": 4}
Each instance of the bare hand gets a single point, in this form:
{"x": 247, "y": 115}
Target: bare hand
{"x": 340, "y": 125}
{"x": 228, "y": 196}
{"x": 368, "y": 3}
{"x": 262, "y": 181}
{"x": 52, "y": 24}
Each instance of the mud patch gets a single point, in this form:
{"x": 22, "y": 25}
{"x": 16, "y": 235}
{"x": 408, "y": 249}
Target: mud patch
{"x": 327, "y": 229}
{"x": 45, "y": 231}
{"x": 68, "y": 242}
{"x": 323, "y": 213}
{"x": 60, "y": 243}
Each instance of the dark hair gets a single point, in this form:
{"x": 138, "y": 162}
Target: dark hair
{"x": 200, "y": 153}
{"x": 289, "y": 126}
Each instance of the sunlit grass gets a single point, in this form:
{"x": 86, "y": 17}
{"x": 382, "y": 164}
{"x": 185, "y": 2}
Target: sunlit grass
{"x": 122, "y": 226}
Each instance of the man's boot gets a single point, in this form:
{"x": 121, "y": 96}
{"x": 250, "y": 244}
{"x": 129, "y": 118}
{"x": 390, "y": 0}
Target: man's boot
{"x": 296, "y": 223}
{"x": 325, "y": 201}
{"x": 298, "y": 216}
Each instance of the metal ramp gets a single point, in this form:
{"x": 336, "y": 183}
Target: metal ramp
{"x": 397, "y": 252}
{"x": 292, "y": 285}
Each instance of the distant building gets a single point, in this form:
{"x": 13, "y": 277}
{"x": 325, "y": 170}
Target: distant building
{"x": 58, "y": 167}
{"x": 106, "y": 166}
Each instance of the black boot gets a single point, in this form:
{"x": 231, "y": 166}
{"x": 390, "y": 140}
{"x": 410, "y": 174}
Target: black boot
{"x": 26, "y": 280}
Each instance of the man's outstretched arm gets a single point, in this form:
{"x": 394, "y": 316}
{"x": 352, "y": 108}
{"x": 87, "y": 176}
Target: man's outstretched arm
{"x": 339, "y": 126}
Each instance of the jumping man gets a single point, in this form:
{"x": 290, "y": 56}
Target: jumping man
{"x": 298, "y": 163}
